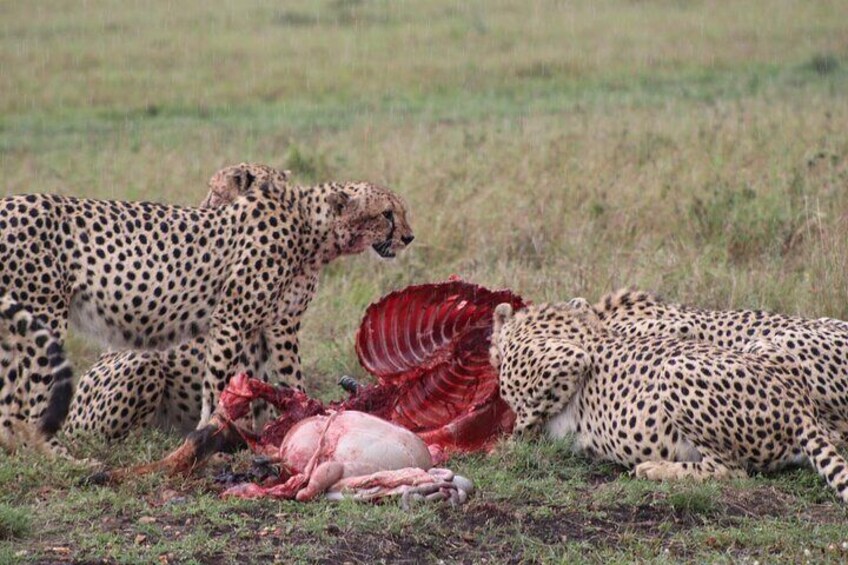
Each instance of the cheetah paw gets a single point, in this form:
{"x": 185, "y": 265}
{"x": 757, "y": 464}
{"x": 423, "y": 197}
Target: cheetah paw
{"x": 654, "y": 471}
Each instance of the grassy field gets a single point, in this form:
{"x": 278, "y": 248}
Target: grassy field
{"x": 558, "y": 148}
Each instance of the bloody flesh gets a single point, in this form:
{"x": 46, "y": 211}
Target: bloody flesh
{"x": 428, "y": 347}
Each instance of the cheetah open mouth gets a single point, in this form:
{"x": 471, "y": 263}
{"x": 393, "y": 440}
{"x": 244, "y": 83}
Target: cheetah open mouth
{"x": 384, "y": 249}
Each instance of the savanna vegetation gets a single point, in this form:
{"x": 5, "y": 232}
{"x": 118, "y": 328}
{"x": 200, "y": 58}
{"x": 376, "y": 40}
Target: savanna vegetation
{"x": 558, "y": 148}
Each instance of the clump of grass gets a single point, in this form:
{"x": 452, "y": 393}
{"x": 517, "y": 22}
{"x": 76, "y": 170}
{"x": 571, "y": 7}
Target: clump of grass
{"x": 309, "y": 164}
{"x": 748, "y": 224}
{"x": 14, "y": 522}
{"x": 823, "y": 63}
{"x": 685, "y": 497}
{"x": 699, "y": 498}
{"x": 291, "y": 18}
{"x": 540, "y": 458}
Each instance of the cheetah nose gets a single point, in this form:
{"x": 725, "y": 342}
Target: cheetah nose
{"x": 407, "y": 239}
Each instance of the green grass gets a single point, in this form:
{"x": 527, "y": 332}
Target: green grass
{"x": 555, "y": 148}
{"x": 14, "y": 523}
{"x": 535, "y": 502}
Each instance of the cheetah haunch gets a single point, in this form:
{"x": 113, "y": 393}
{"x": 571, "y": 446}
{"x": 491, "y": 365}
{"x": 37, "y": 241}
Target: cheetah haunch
{"x": 669, "y": 407}
{"x": 819, "y": 346}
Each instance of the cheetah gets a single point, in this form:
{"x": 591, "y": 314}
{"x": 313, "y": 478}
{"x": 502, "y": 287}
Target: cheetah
{"x": 36, "y": 383}
{"x": 137, "y": 389}
{"x": 668, "y": 407}
{"x": 147, "y": 275}
{"x": 819, "y": 345}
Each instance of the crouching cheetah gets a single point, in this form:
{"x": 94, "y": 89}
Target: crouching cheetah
{"x": 820, "y": 346}
{"x": 136, "y": 389}
{"x": 35, "y": 381}
{"x": 147, "y": 276}
{"x": 669, "y": 407}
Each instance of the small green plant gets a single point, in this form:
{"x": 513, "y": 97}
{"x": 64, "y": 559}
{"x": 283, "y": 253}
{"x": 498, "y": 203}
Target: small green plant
{"x": 311, "y": 165}
{"x": 14, "y": 522}
{"x": 824, "y": 64}
{"x": 748, "y": 223}
{"x": 702, "y": 499}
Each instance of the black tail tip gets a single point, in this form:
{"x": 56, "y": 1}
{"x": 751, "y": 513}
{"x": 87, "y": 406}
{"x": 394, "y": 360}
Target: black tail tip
{"x": 58, "y": 408}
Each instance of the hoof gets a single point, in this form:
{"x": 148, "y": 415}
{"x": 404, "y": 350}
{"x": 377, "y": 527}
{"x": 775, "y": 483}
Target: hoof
{"x": 349, "y": 385}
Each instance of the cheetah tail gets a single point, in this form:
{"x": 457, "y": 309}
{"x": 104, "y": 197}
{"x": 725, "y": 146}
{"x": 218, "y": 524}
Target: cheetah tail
{"x": 62, "y": 388}
{"x": 826, "y": 459}
{"x": 58, "y": 377}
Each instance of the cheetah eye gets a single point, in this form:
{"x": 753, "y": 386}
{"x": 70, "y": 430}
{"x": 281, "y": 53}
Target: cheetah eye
{"x": 389, "y": 215}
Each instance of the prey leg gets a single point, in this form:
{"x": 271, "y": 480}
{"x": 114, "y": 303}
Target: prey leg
{"x": 200, "y": 444}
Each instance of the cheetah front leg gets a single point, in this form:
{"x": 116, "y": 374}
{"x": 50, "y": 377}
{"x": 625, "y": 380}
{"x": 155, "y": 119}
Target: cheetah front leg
{"x": 709, "y": 467}
{"x": 681, "y": 398}
{"x": 239, "y": 320}
{"x": 279, "y": 363}
{"x": 281, "y": 337}
{"x": 224, "y": 358}
{"x": 284, "y": 352}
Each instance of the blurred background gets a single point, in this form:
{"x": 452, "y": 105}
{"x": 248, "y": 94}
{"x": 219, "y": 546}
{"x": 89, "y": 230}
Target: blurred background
{"x": 559, "y": 148}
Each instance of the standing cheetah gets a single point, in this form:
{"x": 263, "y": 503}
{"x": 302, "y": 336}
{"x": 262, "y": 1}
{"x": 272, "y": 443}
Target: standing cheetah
{"x": 820, "y": 345}
{"x": 147, "y": 275}
{"x": 669, "y": 407}
{"x": 135, "y": 389}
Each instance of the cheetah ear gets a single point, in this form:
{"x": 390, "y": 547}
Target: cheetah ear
{"x": 589, "y": 317}
{"x": 503, "y": 314}
{"x": 241, "y": 180}
{"x": 228, "y": 184}
{"x": 579, "y": 303}
{"x": 340, "y": 202}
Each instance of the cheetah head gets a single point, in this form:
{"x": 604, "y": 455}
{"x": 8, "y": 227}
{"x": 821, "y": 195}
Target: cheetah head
{"x": 367, "y": 215}
{"x": 540, "y": 356}
{"x": 512, "y": 354}
{"x": 631, "y": 304}
{"x": 231, "y": 182}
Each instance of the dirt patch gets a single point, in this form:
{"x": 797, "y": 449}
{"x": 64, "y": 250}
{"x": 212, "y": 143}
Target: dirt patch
{"x": 491, "y": 530}
{"x": 611, "y": 525}
{"x": 393, "y": 549}
{"x": 756, "y": 503}
{"x": 487, "y": 530}
{"x": 603, "y": 473}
